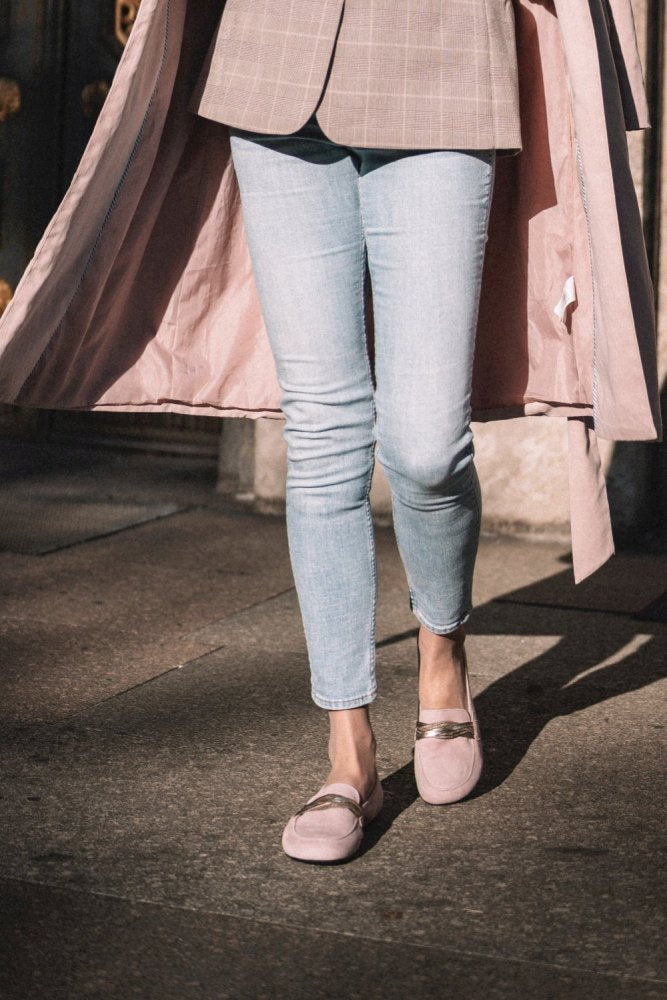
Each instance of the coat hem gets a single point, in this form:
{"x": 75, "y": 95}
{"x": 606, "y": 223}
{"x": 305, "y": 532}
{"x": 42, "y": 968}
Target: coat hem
{"x": 500, "y": 412}
{"x": 508, "y": 411}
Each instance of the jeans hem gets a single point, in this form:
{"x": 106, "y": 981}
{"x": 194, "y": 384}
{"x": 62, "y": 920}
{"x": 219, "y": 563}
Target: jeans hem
{"x": 441, "y": 629}
{"x": 362, "y": 699}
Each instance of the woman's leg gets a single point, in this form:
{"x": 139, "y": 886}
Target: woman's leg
{"x": 300, "y": 202}
{"x": 425, "y": 221}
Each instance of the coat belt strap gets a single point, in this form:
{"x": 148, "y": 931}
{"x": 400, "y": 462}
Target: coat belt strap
{"x": 590, "y": 521}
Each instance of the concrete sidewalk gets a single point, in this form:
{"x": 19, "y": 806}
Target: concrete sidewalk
{"x": 157, "y": 731}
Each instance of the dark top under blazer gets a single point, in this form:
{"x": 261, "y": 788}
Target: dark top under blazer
{"x": 420, "y": 74}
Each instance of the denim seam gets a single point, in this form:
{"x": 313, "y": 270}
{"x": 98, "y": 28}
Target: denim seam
{"x": 361, "y": 286}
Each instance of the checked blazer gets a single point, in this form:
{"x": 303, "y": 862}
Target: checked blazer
{"x": 415, "y": 74}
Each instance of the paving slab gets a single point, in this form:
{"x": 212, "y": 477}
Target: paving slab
{"x": 71, "y": 946}
{"x": 176, "y": 792}
{"x": 505, "y": 564}
{"x": 81, "y": 624}
{"x": 156, "y": 731}
{"x": 39, "y": 523}
{"x": 626, "y": 584}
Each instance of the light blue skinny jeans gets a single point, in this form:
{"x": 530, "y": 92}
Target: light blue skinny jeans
{"x": 316, "y": 214}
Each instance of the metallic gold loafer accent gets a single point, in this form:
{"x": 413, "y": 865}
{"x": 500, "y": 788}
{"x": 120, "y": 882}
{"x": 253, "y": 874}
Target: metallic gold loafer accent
{"x": 329, "y": 800}
{"x": 444, "y": 730}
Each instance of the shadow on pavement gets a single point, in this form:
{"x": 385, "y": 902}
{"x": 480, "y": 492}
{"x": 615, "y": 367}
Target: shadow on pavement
{"x": 627, "y": 655}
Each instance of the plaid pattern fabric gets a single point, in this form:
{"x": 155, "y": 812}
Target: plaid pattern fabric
{"x": 416, "y": 74}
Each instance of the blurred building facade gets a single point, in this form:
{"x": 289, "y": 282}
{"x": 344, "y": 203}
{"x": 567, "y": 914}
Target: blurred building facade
{"x": 57, "y": 59}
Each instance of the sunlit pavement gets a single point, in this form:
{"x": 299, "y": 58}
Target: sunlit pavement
{"x": 157, "y": 732}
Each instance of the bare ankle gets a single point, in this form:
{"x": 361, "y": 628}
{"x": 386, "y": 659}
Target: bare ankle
{"x": 442, "y": 669}
{"x": 352, "y": 748}
{"x": 441, "y": 648}
{"x": 359, "y": 750}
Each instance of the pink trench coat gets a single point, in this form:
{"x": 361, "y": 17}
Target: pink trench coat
{"x": 140, "y": 295}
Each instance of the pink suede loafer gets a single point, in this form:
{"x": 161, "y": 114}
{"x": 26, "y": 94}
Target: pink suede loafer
{"x": 448, "y": 752}
{"x": 329, "y": 827}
